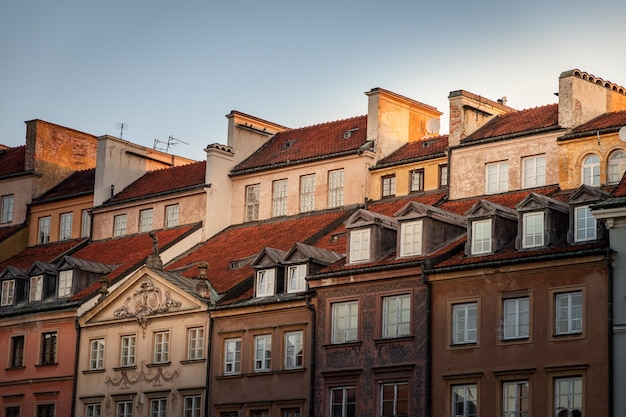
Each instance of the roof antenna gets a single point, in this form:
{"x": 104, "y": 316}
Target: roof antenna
{"x": 171, "y": 141}
{"x": 121, "y": 127}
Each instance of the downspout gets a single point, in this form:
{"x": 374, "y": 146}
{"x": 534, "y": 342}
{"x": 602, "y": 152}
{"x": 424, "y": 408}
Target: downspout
{"x": 208, "y": 367}
{"x": 427, "y": 401}
{"x": 313, "y": 330}
{"x": 610, "y": 341}
{"x": 75, "y": 376}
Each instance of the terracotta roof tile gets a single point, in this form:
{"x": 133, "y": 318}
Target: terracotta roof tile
{"x": 620, "y": 189}
{"x": 608, "y": 120}
{"x": 78, "y": 183}
{"x": 518, "y": 122}
{"x": 7, "y": 231}
{"x": 299, "y": 145}
{"x": 12, "y": 160}
{"x": 509, "y": 200}
{"x": 46, "y": 253}
{"x": 416, "y": 150}
{"x": 165, "y": 180}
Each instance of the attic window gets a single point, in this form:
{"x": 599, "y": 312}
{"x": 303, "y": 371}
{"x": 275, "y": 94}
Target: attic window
{"x": 427, "y": 143}
{"x": 265, "y": 283}
{"x": 348, "y": 133}
{"x": 288, "y": 144}
{"x": 234, "y": 265}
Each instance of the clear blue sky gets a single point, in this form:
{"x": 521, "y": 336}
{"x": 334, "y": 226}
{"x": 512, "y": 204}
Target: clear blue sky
{"x": 177, "y": 67}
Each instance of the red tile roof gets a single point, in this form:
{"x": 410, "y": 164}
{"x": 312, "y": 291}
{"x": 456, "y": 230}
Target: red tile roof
{"x": 7, "y": 231}
{"x": 12, "y": 160}
{"x": 608, "y": 120}
{"x": 518, "y": 123}
{"x": 509, "y": 200}
{"x": 46, "y": 253}
{"x": 78, "y": 183}
{"x": 300, "y": 145}
{"x": 620, "y": 189}
{"x": 417, "y": 150}
{"x": 167, "y": 180}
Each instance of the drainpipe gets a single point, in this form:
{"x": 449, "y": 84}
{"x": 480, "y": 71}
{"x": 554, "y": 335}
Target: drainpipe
{"x": 75, "y": 376}
{"x": 610, "y": 341}
{"x": 313, "y": 330}
{"x": 208, "y": 367}
{"x": 428, "y": 341}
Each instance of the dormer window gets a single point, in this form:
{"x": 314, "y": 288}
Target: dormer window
{"x": 65, "y": 283}
{"x": 534, "y": 230}
{"x": 295, "y": 278}
{"x": 36, "y": 288}
{"x": 411, "y": 238}
{"x": 265, "y": 283}
{"x": 585, "y": 225}
{"x": 8, "y": 293}
{"x": 360, "y": 245}
{"x": 481, "y": 236}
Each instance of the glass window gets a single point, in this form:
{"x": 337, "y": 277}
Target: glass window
{"x": 12, "y": 411}
{"x": 124, "y": 409}
{"x": 568, "y": 397}
{"x": 464, "y": 400}
{"x": 394, "y": 400}
{"x": 8, "y": 293}
{"x": 345, "y": 322}
{"x": 481, "y": 236}
{"x": 85, "y": 226}
{"x": 290, "y": 412}
{"x": 65, "y": 230}
{"x": 343, "y": 402}
{"x": 162, "y": 347}
{"x": 443, "y": 176}
{"x": 158, "y": 407}
{"x": 44, "y": 230}
{"x": 252, "y": 202}
{"x": 417, "y": 180}
{"x": 335, "y": 188}
{"x": 195, "y": 339}
{"x": 497, "y": 177}
{"x": 265, "y": 283}
{"x": 516, "y": 318}
{"x": 45, "y": 410}
{"x": 569, "y": 312}
{"x": 515, "y": 402}
{"x": 465, "y": 323}
{"x": 260, "y": 413}
{"x": 279, "y": 198}
{"x": 119, "y": 225}
{"x": 584, "y": 224}
{"x": 93, "y": 410}
{"x": 293, "y": 350}
{"x": 6, "y": 215}
{"x": 17, "y": 352}
{"x": 263, "y": 353}
{"x": 48, "y": 348}
{"x": 360, "y": 245}
{"x": 534, "y": 171}
{"x": 65, "y": 283}
{"x": 145, "y": 220}
{"x": 36, "y": 288}
{"x": 232, "y": 356}
{"x": 411, "y": 238}
{"x": 533, "y": 230}
{"x": 591, "y": 170}
{"x": 388, "y": 185}
{"x": 96, "y": 354}
{"x": 296, "y": 278}
{"x": 616, "y": 166}
{"x": 396, "y": 316}
{"x": 128, "y": 347}
{"x": 171, "y": 215}
{"x": 307, "y": 193}
{"x": 193, "y": 406}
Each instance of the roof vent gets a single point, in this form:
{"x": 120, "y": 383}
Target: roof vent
{"x": 288, "y": 144}
{"x": 348, "y": 133}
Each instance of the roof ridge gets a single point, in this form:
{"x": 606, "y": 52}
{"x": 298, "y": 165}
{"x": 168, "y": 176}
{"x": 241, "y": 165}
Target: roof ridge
{"x": 324, "y": 123}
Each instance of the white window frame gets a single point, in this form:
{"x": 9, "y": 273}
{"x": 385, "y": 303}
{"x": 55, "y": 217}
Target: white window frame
{"x": 128, "y": 350}
{"x": 307, "y": 193}
{"x": 265, "y": 282}
{"x": 468, "y": 393}
{"x": 7, "y": 208}
{"x": 516, "y": 318}
{"x": 345, "y": 408}
{"x": 65, "y": 283}
{"x": 388, "y": 185}
{"x": 119, "y": 225}
{"x": 8, "y": 293}
{"x": 591, "y": 170}
{"x": 161, "y": 347}
{"x": 515, "y": 398}
{"x": 534, "y": 171}
{"x": 158, "y": 407}
{"x": 360, "y": 245}
{"x": 443, "y": 175}
{"x": 252, "y": 202}
{"x": 93, "y": 410}
{"x": 96, "y": 354}
{"x": 85, "y": 226}
{"x": 568, "y": 307}
{"x": 345, "y": 322}
{"x": 65, "y": 227}
{"x": 497, "y": 177}
{"x": 192, "y": 406}
{"x": 585, "y": 224}
{"x": 172, "y": 213}
{"x": 396, "y": 316}
{"x": 195, "y": 343}
{"x": 616, "y": 166}
{"x": 279, "y": 198}
{"x": 481, "y": 236}
{"x": 44, "y": 230}
{"x": 335, "y": 188}
{"x": 145, "y": 220}
{"x": 465, "y": 323}
{"x": 124, "y": 409}
{"x": 296, "y": 281}
{"x": 411, "y": 238}
{"x": 393, "y": 388}
{"x": 294, "y": 349}
{"x": 417, "y": 180}
{"x": 533, "y": 227}
{"x": 232, "y": 356}
{"x": 568, "y": 395}
{"x": 35, "y": 290}
{"x": 263, "y": 353}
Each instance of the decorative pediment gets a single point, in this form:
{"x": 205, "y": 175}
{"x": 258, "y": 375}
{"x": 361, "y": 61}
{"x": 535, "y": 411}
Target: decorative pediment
{"x": 536, "y": 202}
{"x": 40, "y": 268}
{"x": 484, "y": 208}
{"x": 70, "y": 262}
{"x": 13, "y": 272}
{"x": 146, "y": 301}
{"x": 415, "y": 210}
{"x": 268, "y": 257}
{"x": 586, "y": 194}
{"x": 301, "y": 252}
{"x": 362, "y": 218}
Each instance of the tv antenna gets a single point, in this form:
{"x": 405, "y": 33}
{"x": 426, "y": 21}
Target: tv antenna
{"x": 121, "y": 127}
{"x": 171, "y": 141}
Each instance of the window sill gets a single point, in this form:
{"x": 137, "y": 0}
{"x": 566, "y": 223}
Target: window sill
{"x": 291, "y": 370}
{"x": 461, "y": 346}
{"x": 566, "y": 336}
{"x": 229, "y": 376}
{"x": 191, "y": 361}
{"x": 94, "y": 371}
{"x": 15, "y": 368}
{"x": 514, "y": 341}
{"x": 394, "y": 340}
{"x": 153, "y": 365}
{"x": 124, "y": 368}
{"x": 260, "y": 373}
{"x": 46, "y": 364}
{"x": 342, "y": 345}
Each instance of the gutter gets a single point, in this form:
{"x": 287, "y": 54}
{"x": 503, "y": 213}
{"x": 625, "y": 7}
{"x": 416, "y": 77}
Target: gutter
{"x": 75, "y": 376}
{"x": 611, "y": 332}
{"x": 589, "y": 133}
{"x": 408, "y": 161}
{"x": 508, "y": 136}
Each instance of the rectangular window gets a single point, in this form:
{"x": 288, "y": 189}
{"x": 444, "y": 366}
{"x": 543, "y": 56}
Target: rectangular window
{"x": 533, "y": 226}
{"x": 65, "y": 283}
{"x": 296, "y": 278}
{"x": 171, "y": 216}
{"x": 96, "y": 354}
{"x": 193, "y": 406}
{"x": 497, "y": 177}
{"x": 65, "y": 229}
{"x": 293, "y": 350}
{"x": 568, "y": 397}
{"x": 345, "y": 322}
{"x": 396, "y": 316}
{"x": 119, "y": 225}
{"x": 279, "y": 198}
{"x": 7, "y": 209}
{"x": 464, "y": 400}
{"x": 128, "y": 347}
{"x": 569, "y": 312}
{"x": 36, "y": 288}
{"x": 17, "y": 352}
{"x": 124, "y": 409}
{"x": 45, "y": 410}
{"x": 145, "y": 220}
{"x": 48, "y": 348}
{"x": 416, "y": 180}
{"x": 359, "y": 245}
{"x": 265, "y": 283}
{"x": 394, "y": 400}
{"x": 515, "y": 401}
{"x": 584, "y": 224}
{"x": 411, "y": 238}
{"x": 232, "y": 356}
{"x": 8, "y": 293}
{"x": 516, "y": 318}
{"x": 343, "y": 402}
{"x": 252, "y": 202}
{"x": 263, "y": 353}
{"x": 162, "y": 347}
{"x": 481, "y": 236}
{"x": 85, "y": 225}
{"x": 12, "y": 411}
{"x": 443, "y": 176}
{"x": 260, "y": 413}
{"x": 335, "y": 188}
{"x": 290, "y": 412}
{"x": 158, "y": 407}
{"x": 465, "y": 323}
{"x": 44, "y": 230}
{"x": 534, "y": 171}
{"x": 93, "y": 410}
{"x": 307, "y": 193}
{"x": 195, "y": 349}
{"x": 388, "y": 185}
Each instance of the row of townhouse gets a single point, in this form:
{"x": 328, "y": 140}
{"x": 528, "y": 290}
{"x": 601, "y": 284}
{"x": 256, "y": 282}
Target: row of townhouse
{"x": 366, "y": 266}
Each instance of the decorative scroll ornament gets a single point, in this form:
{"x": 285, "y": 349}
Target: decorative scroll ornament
{"x": 157, "y": 377}
{"x": 145, "y": 301}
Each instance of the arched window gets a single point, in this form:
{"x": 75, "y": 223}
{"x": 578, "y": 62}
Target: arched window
{"x": 616, "y": 166}
{"x": 591, "y": 170}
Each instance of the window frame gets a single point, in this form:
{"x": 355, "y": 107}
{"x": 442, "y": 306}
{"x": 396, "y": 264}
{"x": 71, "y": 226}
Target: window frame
{"x": 265, "y": 285}
{"x": 587, "y": 228}
{"x": 567, "y": 293}
{"x": 7, "y": 202}
{"x": 402, "y": 314}
{"x": 64, "y": 289}
{"x": 535, "y": 175}
{"x": 279, "y": 197}
{"x": 35, "y": 288}
{"x": 252, "y": 201}
{"x": 443, "y": 175}
{"x": 349, "y": 321}
{"x": 466, "y": 388}
{"x": 119, "y": 225}
{"x": 616, "y": 166}
{"x": 48, "y": 348}
{"x": 96, "y": 354}
{"x": 7, "y": 298}
{"x": 307, "y": 193}
{"x": 93, "y": 410}
{"x": 297, "y": 274}
{"x": 124, "y": 408}
{"x": 172, "y": 215}
{"x": 348, "y": 408}
{"x": 235, "y": 362}
{"x": 18, "y": 345}
{"x": 483, "y": 245}
{"x": 262, "y": 347}
{"x": 85, "y": 223}
{"x": 125, "y": 358}
{"x": 570, "y": 379}
{"x": 360, "y": 248}
{"x": 388, "y": 186}
{"x": 294, "y": 356}
{"x": 146, "y": 217}
{"x": 533, "y": 231}
{"x": 453, "y": 307}
{"x": 517, "y": 399}
{"x": 414, "y": 245}
{"x": 497, "y": 177}
{"x": 158, "y": 407}
{"x": 416, "y": 177}
{"x": 195, "y": 408}
{"x": 65, "y": 226}
{"x": 395, "y": 401}
{"x": 43, "y": 230}
{"x": 161, "y": 346}
{"x": 335, "y": 188}
{"x": 590, "y": 170}
{"x": 518, "y": 315}
{"x": 45, "y": 410}
{"x": 195, "y": 343}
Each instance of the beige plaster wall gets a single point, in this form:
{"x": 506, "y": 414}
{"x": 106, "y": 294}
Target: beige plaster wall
{"x": 54, "y": 210}
{"x": 402, "y": 173}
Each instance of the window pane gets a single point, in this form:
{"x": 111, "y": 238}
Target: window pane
{"x": 335, "y": 188}
{"x": 307, "y": 193}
